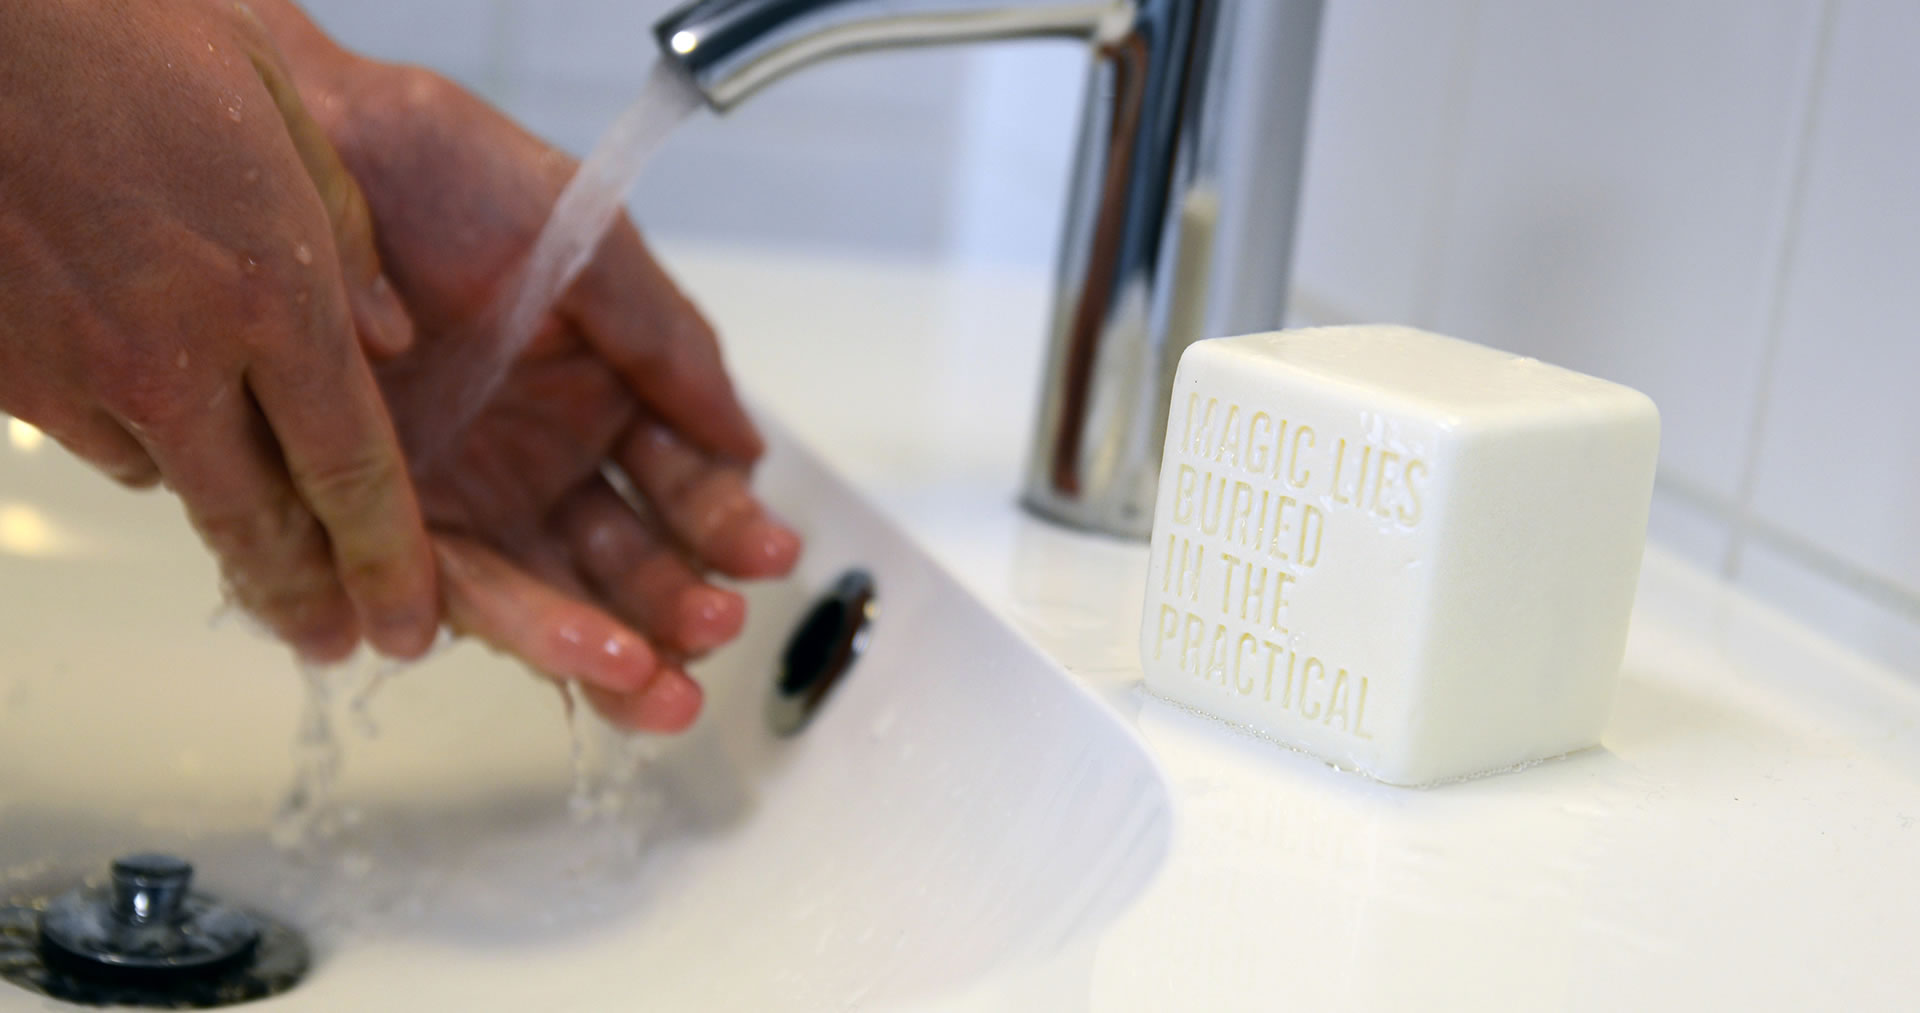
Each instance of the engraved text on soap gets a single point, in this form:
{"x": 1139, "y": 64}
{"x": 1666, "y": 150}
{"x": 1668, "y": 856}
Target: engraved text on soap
{"x": 1250, "y": 495}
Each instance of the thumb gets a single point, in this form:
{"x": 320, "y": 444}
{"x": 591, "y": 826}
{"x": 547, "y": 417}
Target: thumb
{"x": 379, "y": 317}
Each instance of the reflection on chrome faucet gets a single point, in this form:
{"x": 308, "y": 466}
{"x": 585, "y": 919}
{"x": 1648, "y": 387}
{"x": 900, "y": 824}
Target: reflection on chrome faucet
{"x": 1179, "y": 221}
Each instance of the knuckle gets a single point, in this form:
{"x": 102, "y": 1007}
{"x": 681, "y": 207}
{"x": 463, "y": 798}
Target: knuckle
{"x": 722, "y": 513}
{"x": 685, "y": 487}
{"x": 144, "y": 394}
{"x": 354, "y": 490}
{"x": 269, "y": 539}
{"x": 424, "y": 89}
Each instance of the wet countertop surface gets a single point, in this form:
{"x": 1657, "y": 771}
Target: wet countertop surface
{"x": 1744, "y": 836}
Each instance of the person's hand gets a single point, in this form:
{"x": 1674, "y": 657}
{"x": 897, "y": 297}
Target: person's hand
{"x": 186, "y": 278}
{"x": 541, "y": 555}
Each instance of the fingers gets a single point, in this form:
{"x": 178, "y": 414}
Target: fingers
{"x": 641, "y": 576}
{"x": 512, "y": 611}
{"x": 318, "y": 395}
{"x": 706, "y": 504}
{"x": 636, "y": 317}
{"x": 314, "y": 386}
{"x": 379, "y": 318}
{"x": 273, "y": 554}
{"x": 670, "y": 704}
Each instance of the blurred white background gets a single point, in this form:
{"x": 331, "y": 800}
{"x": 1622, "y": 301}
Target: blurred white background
{"x": 1715, "y": 201}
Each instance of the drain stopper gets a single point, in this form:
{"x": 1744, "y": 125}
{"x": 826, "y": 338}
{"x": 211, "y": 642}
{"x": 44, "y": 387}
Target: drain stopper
{"x": 145, "y": 938}
{"x": 145, "y": 922}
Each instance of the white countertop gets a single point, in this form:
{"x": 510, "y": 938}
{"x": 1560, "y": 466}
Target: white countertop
{"x": 1745, "y": 837}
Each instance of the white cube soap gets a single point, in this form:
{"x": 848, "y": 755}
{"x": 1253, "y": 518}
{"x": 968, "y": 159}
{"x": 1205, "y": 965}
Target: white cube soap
{"x": 1408, "y": 555}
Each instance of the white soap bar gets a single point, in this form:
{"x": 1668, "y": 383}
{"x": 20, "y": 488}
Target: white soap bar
{"x": 1409, "y": 555}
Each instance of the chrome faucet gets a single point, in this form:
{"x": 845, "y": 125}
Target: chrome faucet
{"x": 1179, "y": 220}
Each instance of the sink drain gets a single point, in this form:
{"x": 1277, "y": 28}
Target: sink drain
{"x": 145, "y": 939}
{"x": 829, "y": 639}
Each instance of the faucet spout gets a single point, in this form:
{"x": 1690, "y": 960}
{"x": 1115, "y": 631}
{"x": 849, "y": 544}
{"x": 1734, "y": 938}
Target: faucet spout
{"x": 733, "y": 48}
{"x": 1179, "y": 222}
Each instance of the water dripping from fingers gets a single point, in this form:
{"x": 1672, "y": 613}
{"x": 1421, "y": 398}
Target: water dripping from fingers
{"x": 610, "y": 797}
{"x": 308, "y": 815}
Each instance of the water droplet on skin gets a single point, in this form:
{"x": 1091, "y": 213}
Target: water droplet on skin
{"x": 303, "y": 253}
{"x": 233, "y": 113}
{"x": 250, "y": 266}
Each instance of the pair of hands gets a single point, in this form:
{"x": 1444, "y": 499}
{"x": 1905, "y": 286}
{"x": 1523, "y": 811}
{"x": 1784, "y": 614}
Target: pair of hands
{"x": 231, "y": 254}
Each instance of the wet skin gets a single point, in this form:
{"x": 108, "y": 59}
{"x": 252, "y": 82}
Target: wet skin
{"x": 581, "y": 518}
{"x": 187, "y": 280}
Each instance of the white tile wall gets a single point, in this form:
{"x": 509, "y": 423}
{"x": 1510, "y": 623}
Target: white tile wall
{"x": 1715, "y": 201}
{"x": 874, "y": 175}
{"x": 1859, "y": 614}
{"x": 1839, "y": 462}
{"x": 604, "y": 42}
{"x": 1388, "y": 95}
{"x": 464, "y": 39}
{"x": 1018, "y": 120}
{"x": 1691, "y": 528}
{"x": 1621, "y": 167}
{"x": 858, "y": 153}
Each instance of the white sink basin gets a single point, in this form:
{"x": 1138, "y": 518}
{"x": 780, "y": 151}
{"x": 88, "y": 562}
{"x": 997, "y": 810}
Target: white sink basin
{"x": 958, "y": 803}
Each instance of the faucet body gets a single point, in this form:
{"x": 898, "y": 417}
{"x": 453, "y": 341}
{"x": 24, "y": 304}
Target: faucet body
{"x": 1179, "y": 222}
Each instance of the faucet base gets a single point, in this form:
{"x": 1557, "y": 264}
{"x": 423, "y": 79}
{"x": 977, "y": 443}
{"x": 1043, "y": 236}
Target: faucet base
{"x": 1122, "y": 520}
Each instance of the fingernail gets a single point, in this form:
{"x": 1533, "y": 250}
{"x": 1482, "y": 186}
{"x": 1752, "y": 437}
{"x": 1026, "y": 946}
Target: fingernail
{"x": 778, "y": 547}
